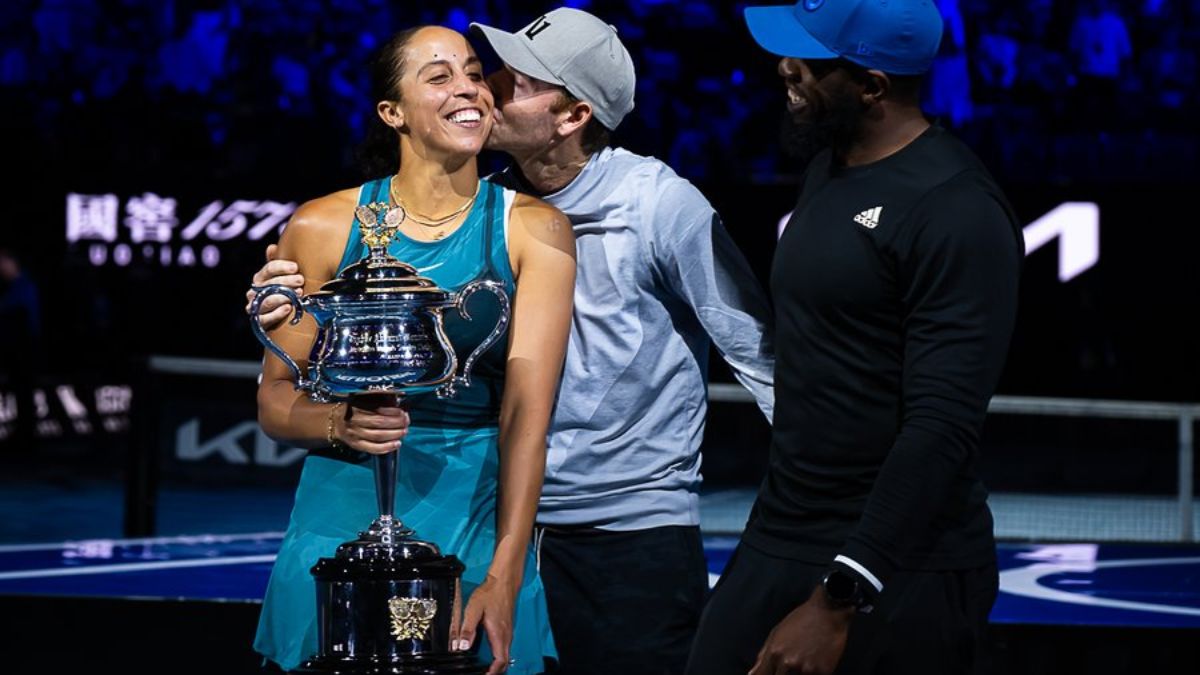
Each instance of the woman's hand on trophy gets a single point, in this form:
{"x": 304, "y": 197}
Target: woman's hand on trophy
{"x": 491, "y": 605}
{"x": 275, "y": 309}
{"x": 372, "y": 424}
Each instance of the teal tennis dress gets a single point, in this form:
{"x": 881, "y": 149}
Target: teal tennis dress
{"x": 448, "y": 464}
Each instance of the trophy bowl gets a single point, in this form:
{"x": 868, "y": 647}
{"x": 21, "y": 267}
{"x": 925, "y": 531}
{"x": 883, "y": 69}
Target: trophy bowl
{"x": 379, "y": 331}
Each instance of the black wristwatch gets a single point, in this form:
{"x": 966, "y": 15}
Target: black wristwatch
{"x": 845, "y": 590}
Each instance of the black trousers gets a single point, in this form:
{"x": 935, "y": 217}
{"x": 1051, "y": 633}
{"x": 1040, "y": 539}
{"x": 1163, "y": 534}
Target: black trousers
{"x": 623, "y": 602}
{"x": 931, "y": 623}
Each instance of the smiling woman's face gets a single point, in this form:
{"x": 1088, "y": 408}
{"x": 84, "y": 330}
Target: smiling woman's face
{"x": 446, "y": 103}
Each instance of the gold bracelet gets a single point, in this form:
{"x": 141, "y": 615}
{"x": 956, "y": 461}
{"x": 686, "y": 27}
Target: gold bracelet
{"x": 333, "y": 442}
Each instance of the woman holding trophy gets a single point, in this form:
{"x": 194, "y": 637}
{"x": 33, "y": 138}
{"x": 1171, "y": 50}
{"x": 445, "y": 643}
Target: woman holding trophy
{"x": 471, "y": 465}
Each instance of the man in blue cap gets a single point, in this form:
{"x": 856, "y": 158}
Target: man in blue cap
{"x": 870, "y": 548}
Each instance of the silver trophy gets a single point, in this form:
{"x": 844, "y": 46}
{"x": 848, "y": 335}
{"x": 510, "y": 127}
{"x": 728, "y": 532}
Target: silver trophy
{"x": 386, "y": 602}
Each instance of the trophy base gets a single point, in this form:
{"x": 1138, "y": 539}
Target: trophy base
{"x": 425, "y": 664}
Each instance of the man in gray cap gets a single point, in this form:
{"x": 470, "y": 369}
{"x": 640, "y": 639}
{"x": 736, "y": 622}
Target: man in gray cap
{"x": 869, "y": 548}
{"x": 658, "y": 281}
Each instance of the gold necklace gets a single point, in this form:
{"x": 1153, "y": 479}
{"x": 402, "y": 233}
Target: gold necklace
{"x": 432, "y": 222}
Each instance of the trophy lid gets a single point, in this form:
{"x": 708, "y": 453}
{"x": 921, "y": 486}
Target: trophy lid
{"x": 378, "y": 274}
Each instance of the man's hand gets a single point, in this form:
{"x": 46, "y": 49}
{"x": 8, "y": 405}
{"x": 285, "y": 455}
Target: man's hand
{"x": 809, "y": 640}
{"x": 275, "y": 309}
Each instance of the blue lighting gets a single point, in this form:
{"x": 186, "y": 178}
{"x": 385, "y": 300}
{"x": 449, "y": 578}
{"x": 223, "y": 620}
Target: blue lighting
{"x": 458, "y": 20}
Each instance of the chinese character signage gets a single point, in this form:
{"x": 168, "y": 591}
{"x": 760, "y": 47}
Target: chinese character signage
{"x": 149, "y": 229}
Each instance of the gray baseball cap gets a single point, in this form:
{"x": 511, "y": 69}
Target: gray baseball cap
{"x": 572, "y": 49}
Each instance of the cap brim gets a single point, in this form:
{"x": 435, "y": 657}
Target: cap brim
{"x": 776, "y": 30}
{"x": 514, "y": 53}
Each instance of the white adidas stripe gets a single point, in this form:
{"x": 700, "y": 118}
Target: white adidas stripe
{"x": 870, "y": 217}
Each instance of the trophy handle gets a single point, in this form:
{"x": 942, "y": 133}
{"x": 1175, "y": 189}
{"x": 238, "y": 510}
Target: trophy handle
{"x": 460, "y": 303}
{"x": 302, "y": 382}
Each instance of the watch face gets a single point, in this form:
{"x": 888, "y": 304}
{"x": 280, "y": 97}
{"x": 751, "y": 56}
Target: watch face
{"x": 840, "y": 587}
{"x": 844, "y": 590}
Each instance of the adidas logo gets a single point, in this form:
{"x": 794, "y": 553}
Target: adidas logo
{"x": 869, "y": 218}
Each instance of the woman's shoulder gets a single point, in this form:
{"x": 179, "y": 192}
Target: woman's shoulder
{"x": 537, "y": 215}
{"x": 326, "y": 215}
{"x": 316, "y": 233}
{"x": 535, "y": 221}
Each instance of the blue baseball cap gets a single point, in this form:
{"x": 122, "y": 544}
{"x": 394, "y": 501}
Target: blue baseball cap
{"x": 898, "y": 37}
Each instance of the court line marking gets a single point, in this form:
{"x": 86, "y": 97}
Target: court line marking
{"x": 133, "y": 567}
{"x": 152, "y": 541}
{"x": 1024, "y": 581}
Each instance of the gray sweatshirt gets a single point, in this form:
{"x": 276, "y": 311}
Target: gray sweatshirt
{"x": 657, "y": 279}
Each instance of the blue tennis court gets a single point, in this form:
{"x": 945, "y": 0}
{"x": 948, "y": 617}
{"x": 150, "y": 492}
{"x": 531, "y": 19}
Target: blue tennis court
{"x": 1145, "y": 586}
